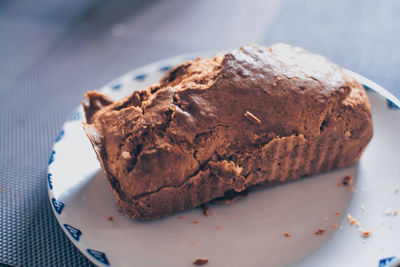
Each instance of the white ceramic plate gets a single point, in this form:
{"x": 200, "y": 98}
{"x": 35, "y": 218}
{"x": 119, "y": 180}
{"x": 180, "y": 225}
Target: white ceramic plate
{"x": 252, "y": 229}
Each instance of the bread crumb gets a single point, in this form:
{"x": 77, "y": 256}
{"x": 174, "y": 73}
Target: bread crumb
{"x": 365, "y": 234}
{"x": 352, "y": 220}
{"x": 195, "y": 221}
{"x": 219, "y": 227}
{"x": 126, "y": 155}
{"x": 338, "y": 214}
{"x": 357, "y": 224}
{"x": 110, "y": 218}
{"x": 346, "y": 180}
{"x": 148, "y": 257}
{"x": 232, "y": 217}
{"x": 251, "y": 117}
{"x": 200, "y": 261}
{"x": 338, "y": 184}
{"x": 193, "y": 242}
{"x": 287, "y": 234}
{"x": 320, "y": 231}
{"x": 394, "y": 212}
{"x": 351, "y": 189}
{"x": 181, "y": 218}
{"x": 388, "y": 212}
{"x": 396, "y": 189}
{"x": 335, "y": 226}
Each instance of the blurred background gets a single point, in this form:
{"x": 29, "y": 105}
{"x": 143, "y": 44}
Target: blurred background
{"x": 52, "y": 52}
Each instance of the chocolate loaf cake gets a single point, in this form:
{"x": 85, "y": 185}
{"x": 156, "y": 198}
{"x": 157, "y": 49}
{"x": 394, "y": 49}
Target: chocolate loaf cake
{"x": 253, "y": 116}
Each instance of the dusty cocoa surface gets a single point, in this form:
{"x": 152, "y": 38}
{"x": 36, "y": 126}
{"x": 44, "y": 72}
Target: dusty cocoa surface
{"x": 253, "y": 116}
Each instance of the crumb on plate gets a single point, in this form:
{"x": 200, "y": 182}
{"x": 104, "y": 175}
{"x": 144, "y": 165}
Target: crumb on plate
{"x": 320, "y": 231}
{"x": 346, "y": 180}
{"x": 365, "y": 234}
{"x": 352, "y": 220}
{"x": 335, "y": 226}
{"x": 200, "y": 261}
{"x": 388, "y": 212}
{"x": 110, "y": 218}
{"x": 287, "y": 234}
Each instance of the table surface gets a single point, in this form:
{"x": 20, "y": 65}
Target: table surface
{"x": 52, "y": 52}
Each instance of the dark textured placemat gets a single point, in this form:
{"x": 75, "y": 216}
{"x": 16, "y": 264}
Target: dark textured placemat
{"x": 51, "y": 52}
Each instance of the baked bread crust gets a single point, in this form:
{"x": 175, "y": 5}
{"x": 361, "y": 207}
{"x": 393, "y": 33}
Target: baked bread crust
{"x": 253, "y": 116}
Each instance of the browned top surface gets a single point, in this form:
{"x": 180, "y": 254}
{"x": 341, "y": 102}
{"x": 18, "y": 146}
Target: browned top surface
{"x": 197, "y": 117}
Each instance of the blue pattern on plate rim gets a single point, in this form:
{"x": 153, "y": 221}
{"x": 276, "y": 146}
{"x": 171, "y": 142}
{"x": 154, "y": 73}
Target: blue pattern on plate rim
{"x": 384, "y": 262}
{"x": 165, "y": 68}
{"x": 140, "y": 77}
{"x": 391, "y": 105}
{"x": 367, "y": 88}
{"x": 75, "y": 233}
{"x": 58, "y": 205}
{"x": 116, "y": 87}
{"x": 50, "y": 180}
{"x": 76, "y": 115}
{"x": 98, "y": 255}
{"x": 60, "y": 136}
{"x": 51, "y": 159}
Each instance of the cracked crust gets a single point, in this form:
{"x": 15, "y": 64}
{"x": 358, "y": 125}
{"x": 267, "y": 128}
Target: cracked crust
{"x": 254, "y": 116}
